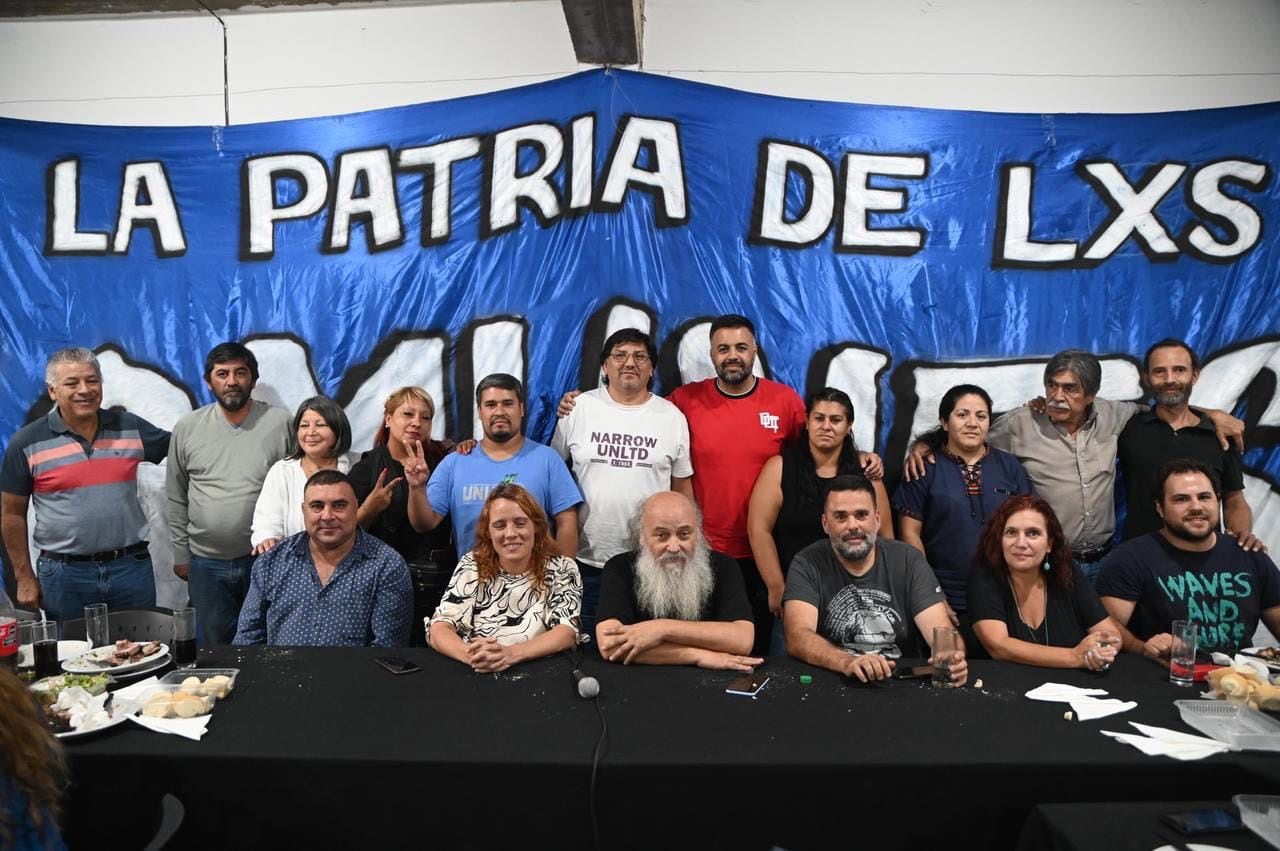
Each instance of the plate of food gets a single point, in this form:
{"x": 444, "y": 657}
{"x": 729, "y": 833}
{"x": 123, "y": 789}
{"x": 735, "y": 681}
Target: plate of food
{"x": 124, "y": 655}
{"x": 1270, "y": 656}
{"x": 79, "y": 704}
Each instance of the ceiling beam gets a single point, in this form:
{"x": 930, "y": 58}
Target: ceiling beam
{"x": 605, "y": 32}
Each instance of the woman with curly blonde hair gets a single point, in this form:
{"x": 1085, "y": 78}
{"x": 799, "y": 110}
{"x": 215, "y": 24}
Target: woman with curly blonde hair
{"x": 512, "y": 598}
{"x": 33, "y": 771}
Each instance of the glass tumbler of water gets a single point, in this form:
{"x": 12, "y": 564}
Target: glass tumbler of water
{"x": 947, "y": 650}
{"x": 96, "y": 629}
{"x": 184, "y": 637}
{"x": 1182, "y": 653}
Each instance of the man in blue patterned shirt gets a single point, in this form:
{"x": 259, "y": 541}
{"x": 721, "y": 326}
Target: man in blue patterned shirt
{"x": 333, "y": 584}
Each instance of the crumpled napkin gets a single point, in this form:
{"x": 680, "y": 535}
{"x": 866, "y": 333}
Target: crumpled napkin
{"x": 189, "y": 728}
{"x": 1083, "y": 702}
{"x": 1159, "y": 741}
{"x": 1242, "y": 661}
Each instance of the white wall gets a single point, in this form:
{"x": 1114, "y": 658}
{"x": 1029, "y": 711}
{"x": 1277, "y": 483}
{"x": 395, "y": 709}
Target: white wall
{"x": 1029, "y": 56}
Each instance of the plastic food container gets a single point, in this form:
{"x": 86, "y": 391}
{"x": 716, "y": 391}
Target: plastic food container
{"x": 169, "y": 701}
{"x": 209, "y": 684}
{"x": 1261, "y": 814}
{"x": 1231, "y": 724}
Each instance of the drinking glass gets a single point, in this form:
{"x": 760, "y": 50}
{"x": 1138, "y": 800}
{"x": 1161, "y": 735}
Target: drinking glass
{"x": 1106, "y": 639}
{"x": 947, "y": 650}
{"x": 26, "y": 653}
{"x": 1182, "y": 653}
{"x": 184, "y": 637}
{"x": 44, "y": 648}
{"x": 95, "y": 625}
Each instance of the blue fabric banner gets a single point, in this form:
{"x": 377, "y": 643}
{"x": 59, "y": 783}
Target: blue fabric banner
{"x": 892, "y": 252}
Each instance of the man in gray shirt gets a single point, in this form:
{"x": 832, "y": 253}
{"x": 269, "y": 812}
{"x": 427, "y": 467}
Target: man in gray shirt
{"x": 855, "y": 604}
{"x": 218, "y": 458}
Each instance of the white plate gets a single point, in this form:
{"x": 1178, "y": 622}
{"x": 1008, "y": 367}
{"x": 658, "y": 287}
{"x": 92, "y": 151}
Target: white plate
{"x": 119, "y": 714}
{"x": 66, "y": 650}
{"x": 1251, "y": 652}
{"x": 90, "y": 662}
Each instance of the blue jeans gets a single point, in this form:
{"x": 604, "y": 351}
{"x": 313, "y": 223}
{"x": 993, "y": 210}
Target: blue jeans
{"x": 68, "y": 586}
{"x": 590, "y": 597}
{"x": 777, "y": 639}
{"x": 217, "y": 590}
{"x": 1090, "y": 569}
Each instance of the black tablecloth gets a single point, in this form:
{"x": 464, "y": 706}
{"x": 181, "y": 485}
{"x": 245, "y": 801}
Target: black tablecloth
{"x": 1125, "y": 826}
{"x": 324, "y": 745}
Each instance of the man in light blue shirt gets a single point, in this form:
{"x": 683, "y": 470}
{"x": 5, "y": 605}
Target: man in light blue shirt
{"x": 332, "y": 585}
{"x": 459, "y": 486}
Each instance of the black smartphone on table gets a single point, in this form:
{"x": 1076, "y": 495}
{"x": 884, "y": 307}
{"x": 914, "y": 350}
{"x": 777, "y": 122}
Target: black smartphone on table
{"x": 397, "y": 664}
{"x": 1208, "y": 820}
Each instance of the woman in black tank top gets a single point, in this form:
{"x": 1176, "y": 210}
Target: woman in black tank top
{"x": 786, "y": 505}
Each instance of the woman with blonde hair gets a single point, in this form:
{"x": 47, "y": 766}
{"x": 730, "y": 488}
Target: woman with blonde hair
{"x": 512, "y": 598}
{"x": 383, "y": 492}
{"x": 33, "y": 771}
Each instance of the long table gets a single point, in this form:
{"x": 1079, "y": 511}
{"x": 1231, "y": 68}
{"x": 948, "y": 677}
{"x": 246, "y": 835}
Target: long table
{"x": 323, "y": 745}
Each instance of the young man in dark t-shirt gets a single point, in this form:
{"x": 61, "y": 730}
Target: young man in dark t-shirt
{"x": 672, "y": 600}
{"x": 1187, "y": 571}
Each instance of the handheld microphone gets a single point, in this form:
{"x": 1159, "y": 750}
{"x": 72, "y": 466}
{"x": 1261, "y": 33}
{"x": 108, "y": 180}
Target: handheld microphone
{"x": 588, "y": 687}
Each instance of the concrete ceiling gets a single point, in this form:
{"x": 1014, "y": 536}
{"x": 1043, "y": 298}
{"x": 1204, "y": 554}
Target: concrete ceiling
{"x": 604, "y": 32}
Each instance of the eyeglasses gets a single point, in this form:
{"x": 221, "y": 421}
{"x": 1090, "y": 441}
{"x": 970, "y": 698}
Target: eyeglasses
{"x": 620, "y": 358}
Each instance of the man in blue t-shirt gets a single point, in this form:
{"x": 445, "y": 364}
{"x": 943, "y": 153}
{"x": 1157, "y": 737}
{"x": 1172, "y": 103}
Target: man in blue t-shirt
{"x": 1188, "y": 571}
{"x": 460, "y": 485}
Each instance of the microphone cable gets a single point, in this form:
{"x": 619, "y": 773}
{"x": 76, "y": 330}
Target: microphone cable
{"x": 597, "y": 752}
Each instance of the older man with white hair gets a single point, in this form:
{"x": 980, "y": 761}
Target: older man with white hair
{"x": 672, "y": 600}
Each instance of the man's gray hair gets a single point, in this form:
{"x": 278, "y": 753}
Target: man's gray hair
{"x": 1083, "y": 365}
{"x": 77, "y": 354}
{"x": 635, "y": 526}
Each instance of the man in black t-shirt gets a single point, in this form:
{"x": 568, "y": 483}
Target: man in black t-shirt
{"x": 1187, "y": 571}
{"x": 672, "y": 600}
{"x": 1173, "y": 429}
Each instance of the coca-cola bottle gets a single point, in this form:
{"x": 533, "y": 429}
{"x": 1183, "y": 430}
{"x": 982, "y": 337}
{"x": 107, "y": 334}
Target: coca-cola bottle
{"x": 8, "y": 633}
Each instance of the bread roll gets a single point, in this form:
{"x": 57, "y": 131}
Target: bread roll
{"x": 1234, "y": 686}
{"x": 189, "y": 706}
{"x": 1267, "y": 696}
{"x": 159, "y": 706}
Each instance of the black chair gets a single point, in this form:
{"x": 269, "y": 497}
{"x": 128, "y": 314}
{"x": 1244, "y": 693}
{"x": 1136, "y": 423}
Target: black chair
{"x": 134, "y": 624}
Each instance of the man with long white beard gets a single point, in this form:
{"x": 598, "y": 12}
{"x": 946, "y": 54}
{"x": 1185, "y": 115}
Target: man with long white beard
{"x": 672, "y": 600}
{"x": 856, "y": 603}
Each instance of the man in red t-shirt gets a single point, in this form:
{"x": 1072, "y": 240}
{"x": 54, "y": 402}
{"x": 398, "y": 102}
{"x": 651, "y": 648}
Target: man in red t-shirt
{"x": 737, "y": 421}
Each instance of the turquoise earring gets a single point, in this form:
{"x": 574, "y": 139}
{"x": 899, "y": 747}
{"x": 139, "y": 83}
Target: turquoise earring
{"x": 1046, "y": 565}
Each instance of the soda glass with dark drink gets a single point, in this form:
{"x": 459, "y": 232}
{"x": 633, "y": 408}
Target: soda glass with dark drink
{"x": 44, "y": 647}
{"x": 184, "y": 637}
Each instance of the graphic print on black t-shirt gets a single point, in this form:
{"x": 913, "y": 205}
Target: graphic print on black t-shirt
{"x": 1212, "y": 600}
{"x": 863, "y": 620}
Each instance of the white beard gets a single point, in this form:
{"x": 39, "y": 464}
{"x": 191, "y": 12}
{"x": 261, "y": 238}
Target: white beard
{"x": 673, "y": 587}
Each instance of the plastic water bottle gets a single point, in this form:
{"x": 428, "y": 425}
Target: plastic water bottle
{"x": 8, "y": 633}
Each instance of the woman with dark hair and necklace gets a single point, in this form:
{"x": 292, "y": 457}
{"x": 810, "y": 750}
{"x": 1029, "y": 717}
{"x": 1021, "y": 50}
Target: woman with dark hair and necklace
{"x": 1028, "y": 602}
{"x": 942, "y": 513}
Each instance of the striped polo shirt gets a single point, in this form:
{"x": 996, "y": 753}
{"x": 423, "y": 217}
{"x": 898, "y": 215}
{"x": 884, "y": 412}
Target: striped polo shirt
{"x": 85, "y": 494}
